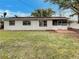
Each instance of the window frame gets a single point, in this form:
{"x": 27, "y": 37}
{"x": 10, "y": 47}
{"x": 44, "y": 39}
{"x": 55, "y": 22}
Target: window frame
{"x": 59, "y": 22}
{"x": 12, "y": 23}
{"x": 26, "y": 22}
{"x": 43, "y": 23}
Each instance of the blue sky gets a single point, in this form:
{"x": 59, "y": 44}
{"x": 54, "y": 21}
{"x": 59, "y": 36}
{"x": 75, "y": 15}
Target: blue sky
{"x": 25, "y": 5}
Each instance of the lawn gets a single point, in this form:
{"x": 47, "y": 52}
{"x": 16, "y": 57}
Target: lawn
{"x": 38, "y": 45}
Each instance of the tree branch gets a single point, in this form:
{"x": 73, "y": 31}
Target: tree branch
{"x": 78, "y": 1}
{"x": 75, "y": 9}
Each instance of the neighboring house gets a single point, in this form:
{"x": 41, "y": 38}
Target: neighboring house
{"x": 36, "y": 23}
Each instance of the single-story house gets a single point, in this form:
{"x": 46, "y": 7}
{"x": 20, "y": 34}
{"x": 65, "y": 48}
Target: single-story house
{"x": 35, "y": 23}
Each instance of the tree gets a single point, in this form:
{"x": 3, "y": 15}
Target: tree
{"x": 43, "y": 13}
{"x": 4, "y": 14}
{"x": 65, "y": 4}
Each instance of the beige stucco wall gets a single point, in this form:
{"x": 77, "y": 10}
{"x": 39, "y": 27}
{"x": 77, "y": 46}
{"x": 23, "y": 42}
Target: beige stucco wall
{"x": 34, "y": 26}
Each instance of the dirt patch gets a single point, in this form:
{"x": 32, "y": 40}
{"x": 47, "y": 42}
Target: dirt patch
{"x": 65, "y": 31}
{"x": 70, "y": 33}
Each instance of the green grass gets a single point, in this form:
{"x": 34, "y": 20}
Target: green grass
{"x": 37, "y": 45}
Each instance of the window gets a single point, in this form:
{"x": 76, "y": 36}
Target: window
{"x": 26, "y": 23}
{"x": 12, "y": 22}
{"x": 64, "y": 22}
{"x": 43, "y": 23}
{"x": 54, "y": 22}
{"x": 59, "y": 22}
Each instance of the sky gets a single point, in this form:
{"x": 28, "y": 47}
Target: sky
{"x": 24, "y": 7}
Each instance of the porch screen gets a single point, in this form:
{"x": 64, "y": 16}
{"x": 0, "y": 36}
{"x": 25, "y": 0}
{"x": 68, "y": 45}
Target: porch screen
{"x": 59, "y": 22}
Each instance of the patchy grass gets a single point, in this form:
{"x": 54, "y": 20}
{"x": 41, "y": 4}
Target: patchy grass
{"x": 37, "y": 45}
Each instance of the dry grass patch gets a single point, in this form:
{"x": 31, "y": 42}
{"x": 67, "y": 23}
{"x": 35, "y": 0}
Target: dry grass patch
{"x": 37, "y": 45}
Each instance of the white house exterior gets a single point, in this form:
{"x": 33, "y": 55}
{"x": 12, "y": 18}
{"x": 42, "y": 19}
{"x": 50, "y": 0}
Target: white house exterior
{"x": 36, "y": 23}
{"x": 74, "y": 25}
{"x": 74, "y": 22}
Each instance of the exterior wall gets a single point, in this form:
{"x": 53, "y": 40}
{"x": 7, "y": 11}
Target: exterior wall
{"x": 0, "y": 25}
{"x": 34, "y": 26}
{"x": 74, "y": 25}
{"x": 74, "y": 18}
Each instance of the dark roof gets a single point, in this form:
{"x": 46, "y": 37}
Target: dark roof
{"x": 36, "y": 18}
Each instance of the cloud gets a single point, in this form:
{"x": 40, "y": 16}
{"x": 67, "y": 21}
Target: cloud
{"x": 12, "y": 14}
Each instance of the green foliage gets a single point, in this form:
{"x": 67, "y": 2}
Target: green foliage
{"x": 43, "y": 12}
{"x": 37, "y": 45}
{"x": 73, "y": 4}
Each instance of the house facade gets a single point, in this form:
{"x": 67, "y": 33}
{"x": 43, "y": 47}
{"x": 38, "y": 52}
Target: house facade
{"x": 36, "y": 23}
{"x": 74, "y": 22}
